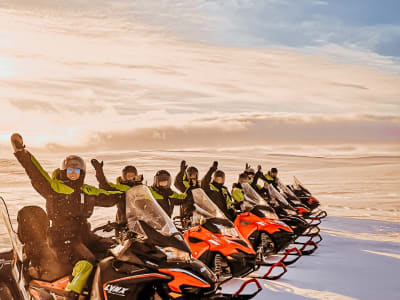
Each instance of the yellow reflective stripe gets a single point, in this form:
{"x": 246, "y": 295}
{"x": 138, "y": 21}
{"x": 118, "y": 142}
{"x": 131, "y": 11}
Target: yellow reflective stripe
{"x": 178, "y": 196}
{"x": 119, "y": 187}
{"x": 56, "y": 185}
{"x": 214, "y": 188}
{"x": 237, "y": 194}
{"x": 156, "y": 195}
{"x": 93, "y": 191}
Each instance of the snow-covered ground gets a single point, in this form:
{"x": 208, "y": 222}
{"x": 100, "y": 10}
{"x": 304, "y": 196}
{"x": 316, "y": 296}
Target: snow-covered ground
{"x": 359, "y": 257}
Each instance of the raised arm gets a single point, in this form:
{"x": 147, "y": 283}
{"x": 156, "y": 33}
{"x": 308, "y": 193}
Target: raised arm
{"x": 178, "y": 183}
{"x": 102, "y": 197}
{"x": 101, "y": 178}
{"x": 205, "y": 182}
{"x": 40, "y": 179}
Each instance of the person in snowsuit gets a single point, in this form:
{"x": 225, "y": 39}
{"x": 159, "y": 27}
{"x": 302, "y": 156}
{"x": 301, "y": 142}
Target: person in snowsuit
{"x": 165, "y": 196}
{"x": 272, "y": 177}
{"x": 253, "y": 176}
{"x": 237, "y": 190}
{"x": 217, "y": 192}
{"x": 69, "y": 203}
{"x": 129, "y": 178}
{"x": 98, "y": 245}
{"x": 185, "y": 181}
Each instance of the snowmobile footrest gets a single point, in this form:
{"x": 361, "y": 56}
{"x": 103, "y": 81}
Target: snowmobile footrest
{"x": 311, "y": 251}
{"x": 273, "y": 277}
{"x": 246, "y": 283}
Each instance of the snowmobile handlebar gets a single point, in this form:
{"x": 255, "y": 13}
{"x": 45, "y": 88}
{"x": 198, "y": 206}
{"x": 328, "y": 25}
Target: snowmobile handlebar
{"x": 110, "y": 226}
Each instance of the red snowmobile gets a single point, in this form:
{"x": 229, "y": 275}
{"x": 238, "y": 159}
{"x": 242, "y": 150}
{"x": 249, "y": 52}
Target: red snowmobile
{"x": 213, "y": 240}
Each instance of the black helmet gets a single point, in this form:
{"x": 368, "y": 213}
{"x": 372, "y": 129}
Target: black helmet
{"x": 250, "y": 171}
{"x": 73, "y": 161}
{"x": 219, "y": 173}
{"x": 243, "y": 176}
{"x": 160, "y": 176}
{"x": 274, "y": 170}
{"x": 128, "y": 169}
{"x": 192, "y": 171}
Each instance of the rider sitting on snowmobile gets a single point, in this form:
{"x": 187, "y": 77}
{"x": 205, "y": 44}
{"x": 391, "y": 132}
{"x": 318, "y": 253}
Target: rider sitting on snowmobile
{"x": 217, "y": 192}
{"x": 187, "y": 178}
{"x": 97, "y": 244}
{"x": 69, "y": 203}
{"x": 272, "y": 177}
{"x": 237, "y": 190}
{"x": 128, "y": 179}
{"x": 185, "y": 181}
{"x": 253, "y": 177}
{"x": 165, "y": 196}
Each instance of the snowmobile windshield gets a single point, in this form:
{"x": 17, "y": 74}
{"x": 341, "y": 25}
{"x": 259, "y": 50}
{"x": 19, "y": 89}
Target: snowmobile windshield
{"x": 275, "y": 195}
{"x": 299, "y": 186}
{"x": 286, "y": 190}
{"x": 251, "y": 196}
{"x": 141, "y": 207}
{"x": 208, "y": 214}
{"x": 204, "y": 207}
{"x": 260, "y": 207}
{"x": 17, "y": 245}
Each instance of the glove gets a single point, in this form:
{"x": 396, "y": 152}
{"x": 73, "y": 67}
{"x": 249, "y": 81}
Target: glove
{"x": 215, "y": 165}
{"x": 247, "y": 166}
{"x": 17, "y": 142}
{"x": 259, "y": 169}
{"x": 183, "y": 165}
{"x": 96, "y": 164}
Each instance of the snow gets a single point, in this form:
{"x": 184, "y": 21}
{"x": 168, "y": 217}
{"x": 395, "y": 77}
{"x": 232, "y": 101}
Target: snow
{"x": 344, "y": 267}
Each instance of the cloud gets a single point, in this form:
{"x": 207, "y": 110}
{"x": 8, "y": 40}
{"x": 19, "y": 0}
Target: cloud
{"x": 221, "y": 130}
{"x": 73, "y": 88}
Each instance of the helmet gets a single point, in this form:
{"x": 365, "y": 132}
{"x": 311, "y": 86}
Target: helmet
{"x": 219, "y": 173}
{"x": 274, "y": 170}
{"x": 250, "y": 171}
{"x": 192, "y": 171}
{"x": 243, "y": 177}
{"x": 73, "y": 161}
{"x": 128, "y": 169}
{"x": 160, "y": 176}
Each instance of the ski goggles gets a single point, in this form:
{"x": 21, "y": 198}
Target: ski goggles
{"x": 73, "y": 170}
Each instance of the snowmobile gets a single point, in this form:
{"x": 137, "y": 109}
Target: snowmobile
{"x": 290, "y": 215}
{"x": 214, "y": 240}
{"x": 260, "y": 227}
{"x": 154, "y": 261}
{"x": 299, "y": 196}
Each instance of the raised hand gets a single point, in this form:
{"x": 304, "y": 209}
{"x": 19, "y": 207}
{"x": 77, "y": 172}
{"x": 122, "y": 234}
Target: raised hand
{"x": 96, "y": 164}
{"x": 215, "y": 165}
{"x": 17, "y": 142}
{"x": 183, "y": 165}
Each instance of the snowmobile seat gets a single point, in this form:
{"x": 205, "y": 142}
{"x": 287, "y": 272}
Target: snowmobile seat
{"x": 42, "y": 262}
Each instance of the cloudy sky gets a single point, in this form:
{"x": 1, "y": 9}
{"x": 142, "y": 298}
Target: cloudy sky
{"x": 118, "y": 75}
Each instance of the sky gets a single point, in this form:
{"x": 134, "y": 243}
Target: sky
{"x": 118, "y": 75}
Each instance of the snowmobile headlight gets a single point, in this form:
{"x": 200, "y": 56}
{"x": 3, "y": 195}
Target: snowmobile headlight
{"x": 228, "y": 231}
{"x": 174, "y": 254}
